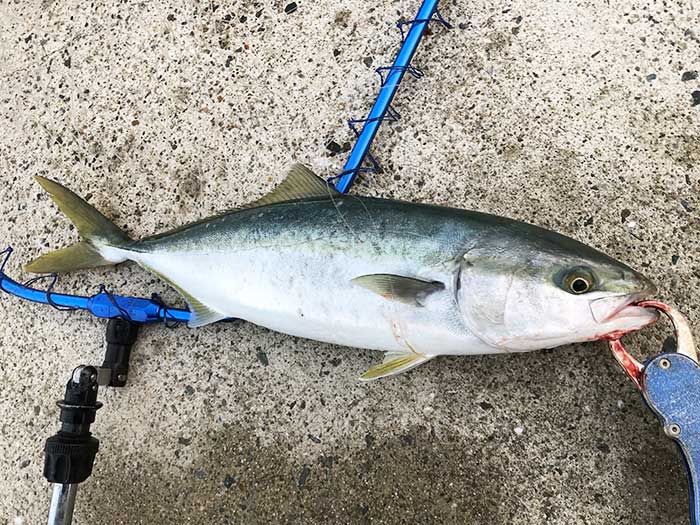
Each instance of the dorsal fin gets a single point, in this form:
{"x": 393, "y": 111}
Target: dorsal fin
{"x": 300, "y": 183}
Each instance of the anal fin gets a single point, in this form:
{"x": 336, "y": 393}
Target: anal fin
{"x": 394, "y": 363}
{"x": 200, "y": 313}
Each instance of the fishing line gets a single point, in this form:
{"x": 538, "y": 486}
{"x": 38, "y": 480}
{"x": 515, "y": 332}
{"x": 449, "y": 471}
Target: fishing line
{"x": 5, "y": 254}
{"x": 169, "y": 320}
{"x": 124, "y": 314}
{"x": 436, "y": 17}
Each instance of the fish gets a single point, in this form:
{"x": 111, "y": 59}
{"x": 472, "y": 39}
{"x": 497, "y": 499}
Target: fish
{"x": 412, "y": 280}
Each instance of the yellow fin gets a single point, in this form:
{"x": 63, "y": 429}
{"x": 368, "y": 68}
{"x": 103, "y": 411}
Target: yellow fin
{"x": 94, "y": 228}
{"x": 90, "y": 223}
{"x": 200, "y": 313}
{"x": 398, "y": 288}
{"x": 301, "y": 183}
{"x": 79, "y": 256}
{"x": 394, "y": 363}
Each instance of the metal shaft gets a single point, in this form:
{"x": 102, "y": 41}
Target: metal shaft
{"x": 62, "y": 503}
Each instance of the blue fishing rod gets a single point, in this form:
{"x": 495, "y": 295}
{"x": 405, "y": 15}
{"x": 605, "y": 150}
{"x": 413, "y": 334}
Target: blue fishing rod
{"x": 669, "y": 382}
{"x": 70, "y": 454}
{"x": 391, "y": 77}
{"x": 149, "y": 310}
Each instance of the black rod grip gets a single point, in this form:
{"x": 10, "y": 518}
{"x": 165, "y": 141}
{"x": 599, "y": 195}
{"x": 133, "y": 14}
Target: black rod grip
{"x": 121, "y": 336}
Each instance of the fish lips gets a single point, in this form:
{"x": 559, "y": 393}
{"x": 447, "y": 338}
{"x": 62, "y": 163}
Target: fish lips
{"x": 620, "y": 310}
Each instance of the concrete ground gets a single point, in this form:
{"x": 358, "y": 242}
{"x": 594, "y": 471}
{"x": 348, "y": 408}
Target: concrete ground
{"x": 583, "y": 117}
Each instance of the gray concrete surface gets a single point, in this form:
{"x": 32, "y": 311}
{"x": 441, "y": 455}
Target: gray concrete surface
{"x": 570, "y": 115}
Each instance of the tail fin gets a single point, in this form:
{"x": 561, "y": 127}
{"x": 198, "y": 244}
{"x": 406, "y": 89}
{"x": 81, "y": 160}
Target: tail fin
{"x": 98, "y": 233}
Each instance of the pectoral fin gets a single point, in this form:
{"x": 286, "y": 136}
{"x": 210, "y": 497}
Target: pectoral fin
{"x": 394, "y": 363}
{"x": 397, "y": 288}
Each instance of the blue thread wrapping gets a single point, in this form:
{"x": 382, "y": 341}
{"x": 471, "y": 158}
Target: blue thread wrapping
{"x": 169, "y": 320}
{"x": 5, "y": 254}
{"x": 390, "y": 115}
{"x": 411, "y": 70}
{"x": 25, "y": 291}
{"x": 123, "y": 313}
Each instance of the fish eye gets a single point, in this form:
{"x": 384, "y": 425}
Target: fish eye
{"x": 579, "y": 285}
{"x": 578, "y": 281}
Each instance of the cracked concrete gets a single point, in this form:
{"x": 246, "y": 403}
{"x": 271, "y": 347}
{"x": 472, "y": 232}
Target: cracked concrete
{"x": 578, "y": 116}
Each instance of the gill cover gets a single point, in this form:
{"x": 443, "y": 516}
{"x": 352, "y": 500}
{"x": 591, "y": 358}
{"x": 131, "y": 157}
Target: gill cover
{"x": 509, "y": 300}
{"x": 482, "y": 289}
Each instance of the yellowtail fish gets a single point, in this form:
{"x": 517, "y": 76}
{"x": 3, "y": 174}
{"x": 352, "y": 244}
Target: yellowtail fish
{"x": 412, "y": 280}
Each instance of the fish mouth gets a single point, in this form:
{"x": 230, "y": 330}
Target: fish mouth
{"x": 620, "y": 314}
{"x": 605, "y": 309}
